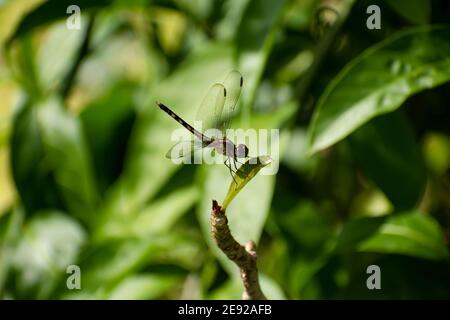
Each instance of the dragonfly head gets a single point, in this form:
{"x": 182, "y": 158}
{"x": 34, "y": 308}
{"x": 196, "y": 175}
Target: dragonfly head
{"x": 241, "y": 151}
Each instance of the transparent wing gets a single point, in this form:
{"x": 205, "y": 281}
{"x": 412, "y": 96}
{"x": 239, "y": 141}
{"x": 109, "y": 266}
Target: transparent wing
{"x": 211, "y": 108}
{"x": 183, "y": 149}
{"x": 233, "y": 84}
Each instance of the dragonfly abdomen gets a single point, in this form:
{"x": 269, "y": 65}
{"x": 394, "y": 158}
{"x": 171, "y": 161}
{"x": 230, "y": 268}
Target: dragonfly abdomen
{"x": 177, "y": 118}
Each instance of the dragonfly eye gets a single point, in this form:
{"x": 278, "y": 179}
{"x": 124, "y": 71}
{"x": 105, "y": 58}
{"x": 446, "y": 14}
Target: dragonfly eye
{"x": 242, "y": 151}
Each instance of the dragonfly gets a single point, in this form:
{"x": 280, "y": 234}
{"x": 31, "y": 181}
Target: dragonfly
{"x": 215, "y": 112}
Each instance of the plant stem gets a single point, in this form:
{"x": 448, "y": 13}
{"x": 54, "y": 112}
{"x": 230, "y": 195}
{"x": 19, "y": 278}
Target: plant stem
{"x": 243, "y": 257}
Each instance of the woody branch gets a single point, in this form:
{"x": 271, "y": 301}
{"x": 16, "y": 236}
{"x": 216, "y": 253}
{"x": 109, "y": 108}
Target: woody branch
{"x": 243, "y": 256}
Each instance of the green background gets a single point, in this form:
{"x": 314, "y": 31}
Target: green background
{"x": 364, "y": 172}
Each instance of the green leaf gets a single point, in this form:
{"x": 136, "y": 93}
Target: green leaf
{"x": 410, "y": 233}
{"x": 417, "y": 11}
{"x": 379, "y": 81}
{"x": 304, "y": 271}
{"x": 436, "y": 149}
{"x": 227, "y": 27}
{"x": 254, "y": 41}
{"x": 108, "y": 122}
{"x": 11, "y": 12}
{"x": 50, "y": 242}
{"x": 144, "y": 286}
{"x": 243, "y": 175}
{"x": 271, "y": 288}
{"x": 31, "y": 172}
{"x": 50, "y": 11}
{"x": 306, "y": 224}
{"x": 356, "y": 230}
{"x": 296, "y": 156}
{"x": 108, "y": 264}
{"x": 232, "y": 289}
{"x": 24, "y": 68}
{"x": 156, "y": 218}
{"x": 51, "y": 160}
{"x": 67, "y": 153}
{"x": 10, "y": 232}
{"x": 56, "y": 54}
{"x": 387, "y": 151}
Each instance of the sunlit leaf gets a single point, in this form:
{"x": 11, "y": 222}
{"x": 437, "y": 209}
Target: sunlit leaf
{"x": 7, "y": 190}
{"x": 410, "y": 233}
{"x": 58, "y": 48}
{"x": 232, "y": 289}
{"x": 156, "y": 218}
{"x": 50, "y": 11}
{"x": 144, "y": 286}
{"x": 11, "y": 13}
{"x": 243, "y": 175}
{"x": 233, "y": 11}
{"x": 379, "y": 81}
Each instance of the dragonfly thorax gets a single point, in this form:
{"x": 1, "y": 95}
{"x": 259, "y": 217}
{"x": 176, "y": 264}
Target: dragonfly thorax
{"x": 227, "y": 148}
{"x": 241, "y": 151}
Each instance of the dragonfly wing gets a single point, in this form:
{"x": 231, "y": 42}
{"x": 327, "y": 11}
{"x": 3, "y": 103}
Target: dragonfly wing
{"x": 211, "y": 108}
{"x": 183, "y": 149}
{"x": 233, "y": 84}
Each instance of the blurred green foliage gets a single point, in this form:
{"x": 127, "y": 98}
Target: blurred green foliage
{"x": 364, "y": 173}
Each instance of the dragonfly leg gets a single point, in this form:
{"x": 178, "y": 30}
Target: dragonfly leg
{"x": 229, "y": 165}
{"x": 231, "y": 170}
{"x": 234, "y": 162}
